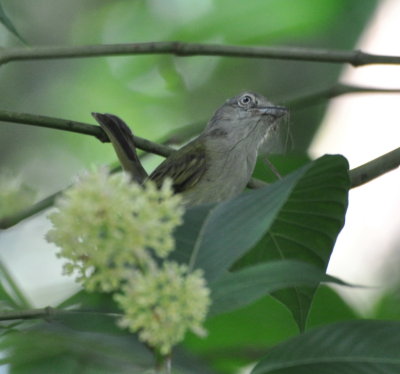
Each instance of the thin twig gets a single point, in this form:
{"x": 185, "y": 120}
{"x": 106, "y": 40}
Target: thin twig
{"x": 48, "y": 313}
{"x": 255, "y": 183}
{"x": 375, "y": 168}
{"x": 355, "y": 58}
{"x": 334, "y": 91}
{"x": 78, "y": 127}
{"x": 163, "y": 364}
{"x": 12, "y": 219}
{"x": 54, "y": 123}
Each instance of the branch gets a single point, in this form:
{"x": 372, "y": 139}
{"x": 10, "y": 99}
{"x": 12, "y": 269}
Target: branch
{"x": 12, "y": 219}
{"x": 334, "y": 91}
{"x": 79, "y": 127}
{"x": 375, "y": 168}
{"x": 355, "y": 58}
{"x": 54, "y": 123}
{"x": 48, "y": 313}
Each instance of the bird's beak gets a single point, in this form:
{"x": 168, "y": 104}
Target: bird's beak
{"x": 274, "y": 111}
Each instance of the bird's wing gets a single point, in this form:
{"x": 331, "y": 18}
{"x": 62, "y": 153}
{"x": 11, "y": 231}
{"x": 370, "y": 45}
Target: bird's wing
{"x": 122, "y": 140}
{"x": 185, "y": 167}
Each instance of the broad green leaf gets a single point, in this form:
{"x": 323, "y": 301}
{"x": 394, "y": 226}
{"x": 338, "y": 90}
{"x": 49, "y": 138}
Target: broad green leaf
{"x": 8, "y": 24}
{"x": 306, "y": 227}
{"x": 237, "y": 225}
{"x": 356, "y": 347}
{"x": 224, "y": 232}
{"x": 189, "y": 236}
{"x": 388, "y": 307}
{"x": 214, "y": 237}
{"x": 237, "y": 289}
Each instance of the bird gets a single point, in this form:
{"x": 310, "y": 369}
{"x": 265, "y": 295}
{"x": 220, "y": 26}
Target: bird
{"x": 217, "y": 164}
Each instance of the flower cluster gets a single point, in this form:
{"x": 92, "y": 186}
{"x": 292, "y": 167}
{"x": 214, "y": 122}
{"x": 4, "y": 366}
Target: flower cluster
{"x": 111, "y": 231}
{"x": 164, "y": 304}
{"x": 14, "y": 194}
{"x": 105, "y": 225}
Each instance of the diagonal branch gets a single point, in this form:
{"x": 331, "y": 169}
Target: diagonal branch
{"x": 12, "y": 219}
{"x": 375, "y": 168}
{"x": 334, "y": 91}
{"x": 355, "y": 58}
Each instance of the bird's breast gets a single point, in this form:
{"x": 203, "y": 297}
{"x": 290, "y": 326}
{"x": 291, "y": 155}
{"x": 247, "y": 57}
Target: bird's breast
{"x": 228, "y": 170}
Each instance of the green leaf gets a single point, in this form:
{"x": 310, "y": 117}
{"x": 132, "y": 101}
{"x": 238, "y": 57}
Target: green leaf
{"x": 96, "y": 312}
{"x": 224, "y": 232}
{"x": 63, "y": 347}
{"x": 237, "y": 289}
{"x": 329, "y": 307}
{"x": 189, "y": 236}
{"x": 11, "y": 296}
{"x": 356, "y": 347}
{"x": 9, "y": 25}
{"x": 388, "y": 305}
{"x": 36, "y": 349}
{"x": 90, "y": 301}
{"x": 306, "y": 228}
{"x": 298, "y": 217}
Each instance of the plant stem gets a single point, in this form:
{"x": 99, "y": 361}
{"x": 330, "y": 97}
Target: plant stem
{"x": 338, "y": 89}
{"x": 163, "y": 364}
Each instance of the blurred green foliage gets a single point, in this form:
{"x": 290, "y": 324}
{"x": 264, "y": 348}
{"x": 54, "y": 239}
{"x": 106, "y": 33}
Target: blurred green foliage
{"x": 6, "y": 22}
{"x": 157, "y": 93}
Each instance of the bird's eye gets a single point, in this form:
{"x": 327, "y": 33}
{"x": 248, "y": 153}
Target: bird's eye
{"x": 245, "y": 101}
